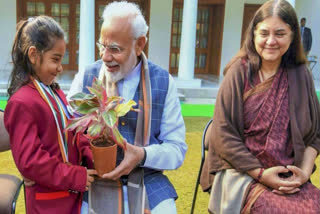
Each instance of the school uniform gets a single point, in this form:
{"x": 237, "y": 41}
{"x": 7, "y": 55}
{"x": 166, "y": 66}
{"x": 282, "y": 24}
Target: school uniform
{"x": 37, "y": 153}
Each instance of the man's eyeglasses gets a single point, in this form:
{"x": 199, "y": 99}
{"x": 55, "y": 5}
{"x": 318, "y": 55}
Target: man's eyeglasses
{"x": 112, "y": 49}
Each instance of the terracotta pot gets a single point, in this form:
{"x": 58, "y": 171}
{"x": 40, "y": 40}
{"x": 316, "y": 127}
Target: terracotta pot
{"x": 104, "y": 158}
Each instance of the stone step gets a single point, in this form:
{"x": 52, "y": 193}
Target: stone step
{"x": 204, "y": 93}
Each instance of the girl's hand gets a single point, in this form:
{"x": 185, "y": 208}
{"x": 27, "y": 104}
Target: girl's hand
{"x": 27, "y": 182}
{"x": 90, "y": 178}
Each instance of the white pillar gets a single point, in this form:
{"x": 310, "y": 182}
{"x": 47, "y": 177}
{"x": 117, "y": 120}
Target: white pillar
{"x": 188, "y": 43}
{"x": 9, "y": 21}
{"x": 292, "y": 2}
{"x": 232, "y": 28}
{"x": 159, "y": 36}
{"x": 86, "y": 40}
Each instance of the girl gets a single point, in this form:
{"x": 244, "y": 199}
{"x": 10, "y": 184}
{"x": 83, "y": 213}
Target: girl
{"x": 35, "y": 117}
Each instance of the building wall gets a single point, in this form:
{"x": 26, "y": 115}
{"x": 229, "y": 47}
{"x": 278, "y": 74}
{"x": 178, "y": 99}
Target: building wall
{"x": 231, "y": 31}
{"x": 8, "y": 25}
{"x": 160, "y": 32}
{"x": 233, "y": 23}
{"x": 254, "y": 1}
{"x": 310, "y": 10}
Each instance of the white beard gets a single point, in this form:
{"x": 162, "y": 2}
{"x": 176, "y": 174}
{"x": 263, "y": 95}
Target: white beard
{"x": 124, "y": 70}
{"x": 113, "y": 77}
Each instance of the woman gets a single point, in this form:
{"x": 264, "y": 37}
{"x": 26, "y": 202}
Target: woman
{"x": 266, "y": 131}
{"x": 35, "y": 118}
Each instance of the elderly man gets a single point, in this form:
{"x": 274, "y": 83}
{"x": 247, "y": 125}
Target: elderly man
{"x": 126, "y": 72}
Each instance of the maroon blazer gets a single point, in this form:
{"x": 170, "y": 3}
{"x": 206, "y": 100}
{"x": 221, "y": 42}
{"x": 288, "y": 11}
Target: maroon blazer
{"x": 34, "y": 143}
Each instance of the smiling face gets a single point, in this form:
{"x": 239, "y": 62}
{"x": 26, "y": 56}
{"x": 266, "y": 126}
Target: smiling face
{"x": 272, "y": 38}
{"x": 47, "y": 68}
{"x": 122, "y": 49}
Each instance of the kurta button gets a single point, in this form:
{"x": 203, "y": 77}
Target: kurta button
{"x": 123, "y": 123}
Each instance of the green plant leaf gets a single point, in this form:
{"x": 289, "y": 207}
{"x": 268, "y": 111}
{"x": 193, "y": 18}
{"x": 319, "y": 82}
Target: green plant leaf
{"x": 123, "y": 108}
{"x": 109, "y": 117}
{"x": 85, "y": 108}
{"x": 95, "y": 92}
{"x": 97, "y": 89}
{"x": 112, "y": 102}
{"x": 97, "y": 84}
{"x": 93, "y": 102}
{"x": 75, "y": 104}
{"x": 95, "y": 129}
{"x": 81, "y": 129}
{"x": 82, "y": 96}
{"x": 118, "y": 138}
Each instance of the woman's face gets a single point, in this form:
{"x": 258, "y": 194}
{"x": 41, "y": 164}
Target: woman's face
{"x": 272, "y": 38}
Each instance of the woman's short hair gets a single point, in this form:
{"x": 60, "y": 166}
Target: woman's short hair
{"x": 127, "y": 9}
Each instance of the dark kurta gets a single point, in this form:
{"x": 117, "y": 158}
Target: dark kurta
{"x": 35, "y": 149}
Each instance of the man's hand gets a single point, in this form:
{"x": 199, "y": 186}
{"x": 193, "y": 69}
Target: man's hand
{"x": 90, "y": 178}
{"x": 132, "y": 157}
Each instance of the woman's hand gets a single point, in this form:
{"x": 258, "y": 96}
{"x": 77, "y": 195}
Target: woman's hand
{"x": 299, "y": 177}
{"x": 271, "y": 178}
{"x": 300, "y": 174}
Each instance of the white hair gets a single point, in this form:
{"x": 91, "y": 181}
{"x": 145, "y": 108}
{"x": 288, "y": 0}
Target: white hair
{"x": 126, "y": 9}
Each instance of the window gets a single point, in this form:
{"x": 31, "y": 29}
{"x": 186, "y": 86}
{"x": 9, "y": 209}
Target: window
{"x": 209, "y": 29}
{"x": 202, "y": 38}
{"x": 67, "y": 13}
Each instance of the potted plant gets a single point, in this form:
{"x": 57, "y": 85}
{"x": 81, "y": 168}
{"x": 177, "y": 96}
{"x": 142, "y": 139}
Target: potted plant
{"x": 99, "y": 120}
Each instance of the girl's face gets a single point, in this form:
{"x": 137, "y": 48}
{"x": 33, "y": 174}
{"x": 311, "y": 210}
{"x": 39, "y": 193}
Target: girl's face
{"x": 47, "y": 70}
{"x": 272, "y": 38}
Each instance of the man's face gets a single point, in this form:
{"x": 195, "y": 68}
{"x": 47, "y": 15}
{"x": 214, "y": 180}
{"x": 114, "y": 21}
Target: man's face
{"x": 302, "y": 22}
{"x": 120, "y": 54}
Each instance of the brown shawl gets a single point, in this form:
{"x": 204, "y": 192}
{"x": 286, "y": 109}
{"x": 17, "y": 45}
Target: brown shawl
{"x": 226, "y": 147}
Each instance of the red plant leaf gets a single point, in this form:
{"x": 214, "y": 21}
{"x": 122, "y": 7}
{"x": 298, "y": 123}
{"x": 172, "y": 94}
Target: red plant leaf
{"x": 83, "y": 121}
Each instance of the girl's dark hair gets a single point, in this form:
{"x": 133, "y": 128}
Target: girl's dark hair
{"x": 41, "y": 32}
{"x": 294, "y": 55}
